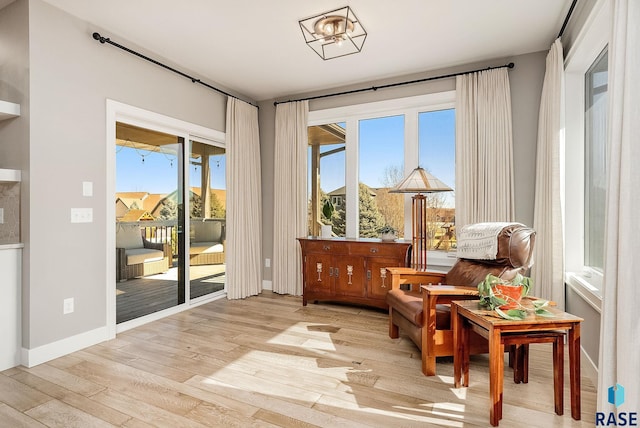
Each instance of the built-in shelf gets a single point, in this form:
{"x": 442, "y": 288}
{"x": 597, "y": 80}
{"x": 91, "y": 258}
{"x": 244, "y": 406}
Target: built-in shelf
{"x": 9, "y": 110}
{"x": 10, "y": 175}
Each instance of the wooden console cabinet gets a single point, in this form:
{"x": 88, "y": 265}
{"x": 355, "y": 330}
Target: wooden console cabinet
{"x": 350, "y": 270}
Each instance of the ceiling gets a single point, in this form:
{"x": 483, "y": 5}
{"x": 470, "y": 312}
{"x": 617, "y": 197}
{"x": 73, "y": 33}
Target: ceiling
{"x": 256, "y": 48}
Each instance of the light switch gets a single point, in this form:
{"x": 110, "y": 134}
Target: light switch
{"x": 81, "y": 215}
{"x": 87, "y": 188}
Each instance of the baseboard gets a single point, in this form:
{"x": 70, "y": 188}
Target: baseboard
{"x": 51, "y": 351}
{"x": 589, "y": 368}
{"x": 267, "y": 285}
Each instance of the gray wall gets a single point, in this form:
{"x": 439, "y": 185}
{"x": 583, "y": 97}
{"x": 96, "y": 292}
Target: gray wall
{"x": 14, "y": 84}
{"x": 71, "y": 76}
{"x": 526, "y": 87}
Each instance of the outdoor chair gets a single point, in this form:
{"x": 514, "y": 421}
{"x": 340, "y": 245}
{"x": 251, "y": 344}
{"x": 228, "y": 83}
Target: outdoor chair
{"x": 136, "y": 256}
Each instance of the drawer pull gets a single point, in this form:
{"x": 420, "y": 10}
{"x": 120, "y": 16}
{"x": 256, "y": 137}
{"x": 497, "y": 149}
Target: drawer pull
{"x": 373, "y": 250}
{"x": 368, "y": 274}
{"x": 326, "y": 247}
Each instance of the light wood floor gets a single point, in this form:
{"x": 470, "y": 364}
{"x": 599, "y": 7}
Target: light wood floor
{"x": 268, "y": 361}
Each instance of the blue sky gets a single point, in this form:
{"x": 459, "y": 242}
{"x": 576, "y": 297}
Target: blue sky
{"x": 382, "y": 146}
{"x": 157, "y": 174}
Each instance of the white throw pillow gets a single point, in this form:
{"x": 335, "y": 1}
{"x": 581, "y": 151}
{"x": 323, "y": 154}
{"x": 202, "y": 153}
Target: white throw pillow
{"x": 128, "y": 237}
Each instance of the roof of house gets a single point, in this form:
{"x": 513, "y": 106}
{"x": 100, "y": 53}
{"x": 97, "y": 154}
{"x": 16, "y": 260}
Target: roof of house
{"x": 341, "y": 191}
{"x": 137, "y": 215}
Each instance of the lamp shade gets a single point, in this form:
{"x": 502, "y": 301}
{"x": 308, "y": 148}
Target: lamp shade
{"x": 420, "y": 181}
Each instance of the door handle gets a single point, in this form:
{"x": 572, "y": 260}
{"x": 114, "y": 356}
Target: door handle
{"x": 369, "y": 274}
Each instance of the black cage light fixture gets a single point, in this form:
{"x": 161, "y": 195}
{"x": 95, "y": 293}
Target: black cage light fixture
{"x": 334, "y": 34}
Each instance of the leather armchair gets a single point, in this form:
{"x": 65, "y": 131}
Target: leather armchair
{"x": 423, "y": 313}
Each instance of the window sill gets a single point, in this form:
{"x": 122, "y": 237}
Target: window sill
{"x": 585, "y": 288}
{"x": 440, "y": 260}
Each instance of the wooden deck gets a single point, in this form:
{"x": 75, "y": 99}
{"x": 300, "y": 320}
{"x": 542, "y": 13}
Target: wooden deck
{"x": 143, "y": 296}
{"x": 267, "y": 361}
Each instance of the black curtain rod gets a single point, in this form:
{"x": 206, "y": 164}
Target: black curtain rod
{"x": 104, "y": 40}
{"x": 391, "y": 85}
{"x": 566, "y": 18}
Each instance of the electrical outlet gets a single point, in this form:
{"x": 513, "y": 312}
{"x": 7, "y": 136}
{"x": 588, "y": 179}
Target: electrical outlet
{"x": 267, "y": 262}
{"x": 67, "y": 306}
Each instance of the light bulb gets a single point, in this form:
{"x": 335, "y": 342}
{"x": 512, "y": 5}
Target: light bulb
{"x": 328, "y": 29}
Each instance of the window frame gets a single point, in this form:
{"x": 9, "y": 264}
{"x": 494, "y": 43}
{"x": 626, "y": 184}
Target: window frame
{"x": 592, "y": 40}
{"x": 410, "y": 108}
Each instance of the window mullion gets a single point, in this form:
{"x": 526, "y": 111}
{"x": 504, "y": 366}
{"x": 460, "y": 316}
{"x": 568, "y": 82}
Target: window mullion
{"x": 410, "y": 161}
{"x": 352, "y": 174}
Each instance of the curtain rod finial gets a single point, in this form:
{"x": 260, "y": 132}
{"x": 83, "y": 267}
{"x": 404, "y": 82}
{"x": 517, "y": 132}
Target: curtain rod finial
{"x": 99, "y": 38}
{"x": 511, "y": 65}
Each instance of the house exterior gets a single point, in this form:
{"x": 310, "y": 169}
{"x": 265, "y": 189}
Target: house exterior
{"x": 62, "y": 79}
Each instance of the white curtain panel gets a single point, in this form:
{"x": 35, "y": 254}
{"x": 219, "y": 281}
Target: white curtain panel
{"x": 484, "y": 159}
{"x": 620, "y": 330}
{"x": 290, "y": 195}
{"x": 548, "y": 269}
{"x": 244, "y": 201}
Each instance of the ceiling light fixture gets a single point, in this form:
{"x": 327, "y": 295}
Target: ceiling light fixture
{"x": 334, "y": 34}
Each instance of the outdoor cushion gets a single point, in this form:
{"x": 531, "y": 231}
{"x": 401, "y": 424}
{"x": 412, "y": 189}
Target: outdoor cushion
{"x": 128, "y": 237}
{"x": 206, "y": 231}
{"x": 206, "y": 247}
{"x": 143, "y": 255}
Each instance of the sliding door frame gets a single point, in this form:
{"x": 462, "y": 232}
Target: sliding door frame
{"x": 119, "y": 112}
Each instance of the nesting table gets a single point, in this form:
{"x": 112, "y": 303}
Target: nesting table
{"x": 468, "y": 315}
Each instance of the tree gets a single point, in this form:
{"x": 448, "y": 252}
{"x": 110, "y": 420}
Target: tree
{"x": 371, "y": 221}
{"x": 217, "y": 209}
{"x": 435, "y": 220}
{"x": 169, "y": 210}
{"x": 391, "y": 205}
{"x": 196, "y": 206}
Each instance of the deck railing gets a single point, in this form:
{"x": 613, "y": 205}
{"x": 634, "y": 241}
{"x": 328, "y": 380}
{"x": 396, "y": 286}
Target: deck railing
{"x": 164, "y": 231}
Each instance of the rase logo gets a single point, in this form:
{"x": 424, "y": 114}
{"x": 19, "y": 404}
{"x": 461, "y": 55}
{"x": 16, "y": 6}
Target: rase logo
{"x": 615, "y": 396}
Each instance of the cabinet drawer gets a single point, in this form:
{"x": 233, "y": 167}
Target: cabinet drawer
{"x": 327, "y": 247}
{"x": 377, "y": 250}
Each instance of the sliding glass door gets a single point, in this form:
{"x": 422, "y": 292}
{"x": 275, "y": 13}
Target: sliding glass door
{"x": 149, "y": 201}
{"x": 207, "y": 218}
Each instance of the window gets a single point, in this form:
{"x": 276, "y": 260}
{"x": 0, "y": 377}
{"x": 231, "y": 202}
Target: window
{"x": 381, "y": 166}
{"x": 382, "y": 143}
{"x": 326, "y": 177}
{"x": 585, "y": 161}
{"x": 595, "y": 171}
{"x": 436, "y": 153}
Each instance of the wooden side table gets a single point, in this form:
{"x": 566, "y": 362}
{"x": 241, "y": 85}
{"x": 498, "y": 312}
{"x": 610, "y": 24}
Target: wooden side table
{"x": 469, "y": 315}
